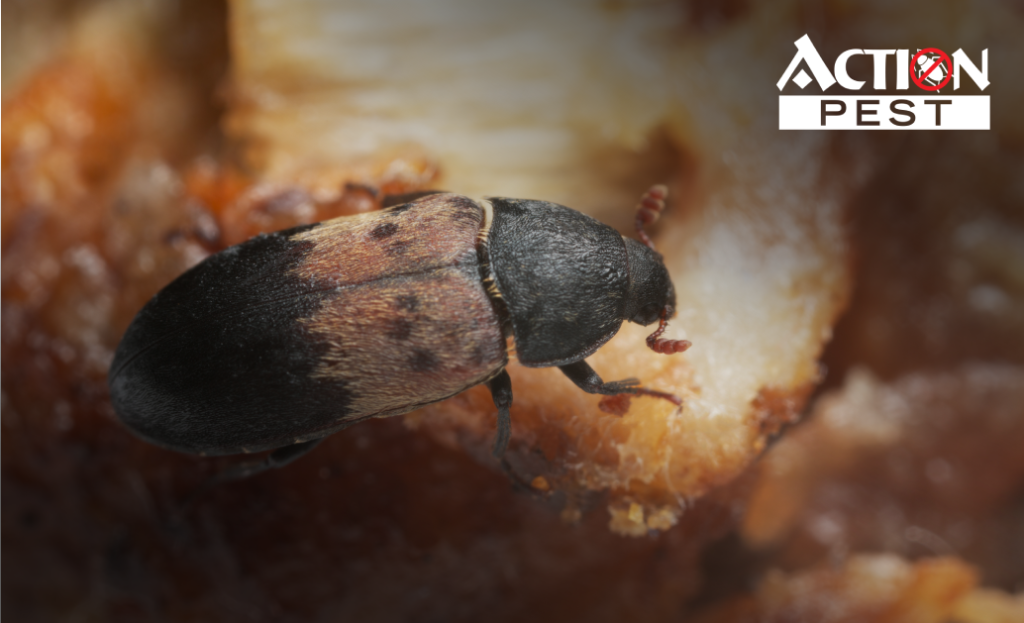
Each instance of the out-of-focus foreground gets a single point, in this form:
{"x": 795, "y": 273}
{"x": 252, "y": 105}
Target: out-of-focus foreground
{"x": 849, "y": 444}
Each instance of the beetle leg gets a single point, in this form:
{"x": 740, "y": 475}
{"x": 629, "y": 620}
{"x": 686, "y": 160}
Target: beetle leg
{"x": 277, "y": 458}
{"x": 501, "y": 391}
{"x": 588, "y": 380}
{"x": 287, "y": 454}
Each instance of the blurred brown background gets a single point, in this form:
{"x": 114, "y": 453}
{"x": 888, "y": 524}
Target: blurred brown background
{"x": 886, "y": 483}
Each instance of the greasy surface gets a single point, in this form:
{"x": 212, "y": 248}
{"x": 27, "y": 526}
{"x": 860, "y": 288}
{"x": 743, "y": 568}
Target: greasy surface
{"x": 116, "y": 179}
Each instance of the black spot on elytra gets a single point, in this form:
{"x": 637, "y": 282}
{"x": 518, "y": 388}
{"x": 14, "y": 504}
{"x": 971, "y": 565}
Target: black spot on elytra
{"x": 384, "y": 230}
{"x": 422, "y": 361}
{"x": 481, "y": 355}
{"x": 407, "y": 302}
{"x": 464, "y": 210}
{"x": 399, "y": 329}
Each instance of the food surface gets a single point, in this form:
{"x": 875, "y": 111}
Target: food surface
{"x": 847, "y": 444}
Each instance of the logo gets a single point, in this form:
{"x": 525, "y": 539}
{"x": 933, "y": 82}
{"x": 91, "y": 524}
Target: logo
{"x": 930, "y": 105}
{"x": 931, "y": 69}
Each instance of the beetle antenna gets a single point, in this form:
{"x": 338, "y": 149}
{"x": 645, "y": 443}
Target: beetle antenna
{"x": 648, "y": 210}
{"x": 659, "y": 344}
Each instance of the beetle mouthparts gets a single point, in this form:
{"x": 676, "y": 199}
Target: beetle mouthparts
{"x": 660, "y": 345}
{"x": 648, "y": 210}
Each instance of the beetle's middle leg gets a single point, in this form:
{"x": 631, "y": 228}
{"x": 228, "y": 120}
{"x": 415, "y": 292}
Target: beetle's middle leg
{"x": 501, "y": 391}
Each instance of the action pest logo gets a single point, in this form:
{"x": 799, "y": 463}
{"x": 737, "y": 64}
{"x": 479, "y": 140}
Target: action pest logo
{"x": 930, "y": 104}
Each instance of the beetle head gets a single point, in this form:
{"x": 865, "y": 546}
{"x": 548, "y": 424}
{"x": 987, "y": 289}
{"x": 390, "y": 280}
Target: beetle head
{"x": 651, "y": 295}
{"x": 650, "y": 289}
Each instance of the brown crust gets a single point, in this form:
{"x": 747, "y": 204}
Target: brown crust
{"x": 775, "y": 407}
{"x": 410, "y": 322}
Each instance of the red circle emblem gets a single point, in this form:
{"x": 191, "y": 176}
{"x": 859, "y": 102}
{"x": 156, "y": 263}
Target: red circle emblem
{"x": 931, "y": 69}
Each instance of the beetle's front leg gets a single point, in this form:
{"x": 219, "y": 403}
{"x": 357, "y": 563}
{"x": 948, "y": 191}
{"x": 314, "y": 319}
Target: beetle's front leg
{"x": 588, "y": 380}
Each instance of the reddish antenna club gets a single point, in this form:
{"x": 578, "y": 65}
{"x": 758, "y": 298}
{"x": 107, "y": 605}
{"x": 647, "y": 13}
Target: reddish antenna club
{"x": 647, "y": 212}
{"x": 664, "y": 346}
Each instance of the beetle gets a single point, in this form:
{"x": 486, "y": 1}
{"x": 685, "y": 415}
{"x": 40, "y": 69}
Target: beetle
{"x": 282, "y": 340}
